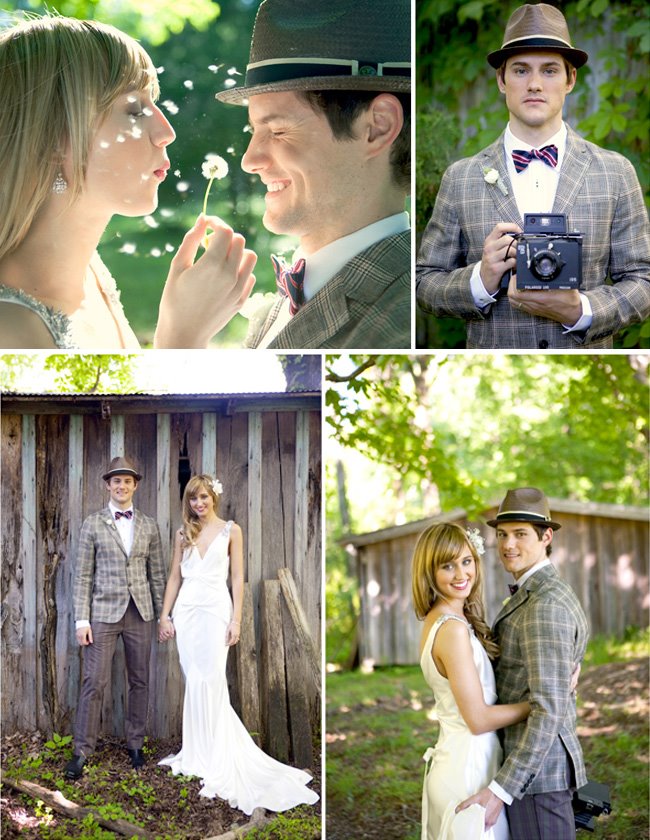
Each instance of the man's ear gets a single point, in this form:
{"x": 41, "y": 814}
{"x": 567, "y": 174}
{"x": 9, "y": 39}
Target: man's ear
{"x": 384, "y": 120}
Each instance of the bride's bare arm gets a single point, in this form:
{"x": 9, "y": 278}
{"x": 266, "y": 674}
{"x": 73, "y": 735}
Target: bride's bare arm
{"x": 171, "y": 591}
{"x": 201, "y": 297}
{"x": 236, "y": 582}
{"x": 453, "y": 647}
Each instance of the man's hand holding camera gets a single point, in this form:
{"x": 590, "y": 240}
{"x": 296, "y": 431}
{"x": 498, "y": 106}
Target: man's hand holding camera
{"x": 497, "y": 246}
{"x": 562, "y": 305}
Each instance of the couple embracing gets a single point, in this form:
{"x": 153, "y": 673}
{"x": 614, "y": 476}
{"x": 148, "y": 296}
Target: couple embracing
{"x": 520, "y": 678}
{"x": 120, "y": 589}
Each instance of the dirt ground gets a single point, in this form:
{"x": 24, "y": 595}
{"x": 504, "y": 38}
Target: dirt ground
{"x": 168, "y": 806}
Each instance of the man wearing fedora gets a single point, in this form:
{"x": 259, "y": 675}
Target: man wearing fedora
{"x": 118, "y": 591}
{"x": 328, "y": 94}
{"x": 538, "y": 165}
{"x": 542, "y": 633}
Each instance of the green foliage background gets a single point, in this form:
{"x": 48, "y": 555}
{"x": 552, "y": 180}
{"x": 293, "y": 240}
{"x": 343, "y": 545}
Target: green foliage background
{"x": 419, "y": 435}
{"x": 609, "y": 105}
{"x": 198, "y": 46}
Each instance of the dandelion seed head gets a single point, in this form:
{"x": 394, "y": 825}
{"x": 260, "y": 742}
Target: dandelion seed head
{"x": 214, "y": 166}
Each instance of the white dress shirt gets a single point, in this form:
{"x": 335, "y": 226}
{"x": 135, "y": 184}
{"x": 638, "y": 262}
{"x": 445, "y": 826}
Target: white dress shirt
{"x": 125, "y": 530}
{"x": 534, "y": 191}
{"x": 324, "y": 264}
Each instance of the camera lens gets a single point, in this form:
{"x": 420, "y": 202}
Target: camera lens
{"x": 546, "y": 265}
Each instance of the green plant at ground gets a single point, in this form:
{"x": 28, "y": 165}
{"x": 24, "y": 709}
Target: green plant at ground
{"x": 114, "y": 811}
{"x": 59, "y": 744}
{"x": 137, "y": 789}
{"x": 634, "y": 642}
{"x": 305, "y": 826}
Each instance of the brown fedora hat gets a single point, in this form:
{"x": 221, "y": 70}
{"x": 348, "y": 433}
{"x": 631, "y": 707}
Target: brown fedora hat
{"x": 328, "y": 45}
{"x": 537, "y": 28}
{"x": 525, "y": 504}
{"x": 121, "y": 466}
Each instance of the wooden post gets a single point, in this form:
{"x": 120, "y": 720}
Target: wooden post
{"x": 273, "y": 683}
{"x": 297, "y": 693}
{"x": 247, "y": 668}
{"x": 299, "y": 620}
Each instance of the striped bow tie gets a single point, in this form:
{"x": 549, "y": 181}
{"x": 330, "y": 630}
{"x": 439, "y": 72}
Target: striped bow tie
{"x": 128, "y": 514}
{"x": 547, "y": 154}
{"x": 289, "y": 280}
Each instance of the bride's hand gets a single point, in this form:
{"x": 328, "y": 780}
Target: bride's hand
{"x": 201, "y": 297}
{"x": 232, "y": 633}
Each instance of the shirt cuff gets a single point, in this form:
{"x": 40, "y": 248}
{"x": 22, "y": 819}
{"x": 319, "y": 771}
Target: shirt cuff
{"x": 78, "y": 625}
{"x": 497, "y": 790}
{"x": 482, "y": 298}
{"x": 584, "y": 321}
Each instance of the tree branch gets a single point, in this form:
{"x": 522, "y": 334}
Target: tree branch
{"x": 334, "y": 377}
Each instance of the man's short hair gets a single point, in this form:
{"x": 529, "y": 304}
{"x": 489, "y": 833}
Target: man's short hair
{"x": 541, "y": 530}
{"x": 342, "y": 107}
{"x": 502, "y": 70}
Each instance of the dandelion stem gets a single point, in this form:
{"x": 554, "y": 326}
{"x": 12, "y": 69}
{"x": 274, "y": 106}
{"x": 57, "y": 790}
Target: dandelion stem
{"x": 207, "y": 193}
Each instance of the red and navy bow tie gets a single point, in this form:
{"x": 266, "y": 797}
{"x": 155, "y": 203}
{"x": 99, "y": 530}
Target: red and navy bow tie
{"x": 289, "y": 280}
{"x": 120, "y": 513}
{"x": 547, "y": 154}
{"x": 513, "y": 588}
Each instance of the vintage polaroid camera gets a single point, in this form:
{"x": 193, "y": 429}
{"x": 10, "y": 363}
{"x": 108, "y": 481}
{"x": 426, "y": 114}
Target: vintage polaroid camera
{"x": 547, "y": 256}
{"x": 589, "y": 802}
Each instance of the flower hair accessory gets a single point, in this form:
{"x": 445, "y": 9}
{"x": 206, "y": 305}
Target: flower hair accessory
{"x": 475, "y": 538}
{"x": 217, "y": 486}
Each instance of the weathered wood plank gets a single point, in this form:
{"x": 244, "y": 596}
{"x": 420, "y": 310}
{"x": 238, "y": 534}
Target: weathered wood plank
{"x": 297, "y": 691}
{"x": 30, "y": 699}
{"x": 70, "y": 653}
{"x": 273, "y": 683}
{"x": 209, "y": 443}
{"x": 301, "y": 627}
{"x": 254, "y": 535}
{"x": 247, "y": 671}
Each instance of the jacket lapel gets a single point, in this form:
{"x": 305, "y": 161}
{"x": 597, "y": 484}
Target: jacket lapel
{"x": 493, "y": 157}
{"x": 109, "y": 521}
{"x": 521, "y": 595}
{"x": 577, "y": 159}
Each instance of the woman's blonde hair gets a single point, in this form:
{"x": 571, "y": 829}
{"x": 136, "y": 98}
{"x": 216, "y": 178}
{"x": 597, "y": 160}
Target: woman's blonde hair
{"x": 58, "y": 78}
{"x": 191, "y": 524}
{"x": 440, "y": 544}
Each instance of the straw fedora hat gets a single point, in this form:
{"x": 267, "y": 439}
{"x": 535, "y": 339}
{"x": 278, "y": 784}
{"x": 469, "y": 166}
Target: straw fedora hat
{"x": 121, "y": 466}
{"x": 537, "y": 28}
{"x": 525, "y": 504}
{"x": 328, "y": 45}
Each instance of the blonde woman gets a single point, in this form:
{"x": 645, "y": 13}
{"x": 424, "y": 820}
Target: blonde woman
{"x": 206, "y": 622}
{"x": 455, "y": 654}
{"x": 82, "y": 139}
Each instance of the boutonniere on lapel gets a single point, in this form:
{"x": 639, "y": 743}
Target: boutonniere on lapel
{"x": 257, "y": 307}
{"x": 491, "y": 176}
{"x": 110, "y": 522}
{"x": 505, "y": 600}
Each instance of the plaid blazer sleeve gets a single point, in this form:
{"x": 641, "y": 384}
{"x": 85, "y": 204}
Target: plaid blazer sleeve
{"x": 156, "y": 569}
{"x": 552, "y": 637}
{"x": 84, "y": 572}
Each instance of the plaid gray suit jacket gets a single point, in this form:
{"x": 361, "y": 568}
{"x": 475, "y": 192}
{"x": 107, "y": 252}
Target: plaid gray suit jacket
{"x": 366, "y": 305}
{"x": 105, "y": 577}
{"x": 542, "y": 631}
{"x": 600, "y": 194}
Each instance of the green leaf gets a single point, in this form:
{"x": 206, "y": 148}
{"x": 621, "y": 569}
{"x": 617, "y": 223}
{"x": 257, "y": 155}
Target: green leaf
{"x": 471, "y": 11}
{"x": 598, "y": 7}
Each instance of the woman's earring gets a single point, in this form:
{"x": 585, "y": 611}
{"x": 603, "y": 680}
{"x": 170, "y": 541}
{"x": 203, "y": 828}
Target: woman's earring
{"x": 60, "y": 184}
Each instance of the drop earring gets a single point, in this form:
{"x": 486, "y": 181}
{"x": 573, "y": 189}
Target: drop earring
{"x": 60, "y": 184}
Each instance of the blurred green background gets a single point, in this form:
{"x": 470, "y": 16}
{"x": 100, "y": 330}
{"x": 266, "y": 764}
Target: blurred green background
{"x": 199, "y": 48}
{"x": 460, "y": 111}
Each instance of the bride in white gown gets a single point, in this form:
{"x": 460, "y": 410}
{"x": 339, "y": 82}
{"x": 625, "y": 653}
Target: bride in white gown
{"x": 456, "y": 647}
{"x": 216, "y": 746}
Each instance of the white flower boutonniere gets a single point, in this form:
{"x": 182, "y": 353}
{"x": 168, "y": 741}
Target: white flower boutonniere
{"x": 491, "y": 176}
{"x": 257, "y": 307}
{"x": 505, "y": 600}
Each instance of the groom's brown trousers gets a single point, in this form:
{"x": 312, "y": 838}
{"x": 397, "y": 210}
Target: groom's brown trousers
{"x": 137, "y": 636}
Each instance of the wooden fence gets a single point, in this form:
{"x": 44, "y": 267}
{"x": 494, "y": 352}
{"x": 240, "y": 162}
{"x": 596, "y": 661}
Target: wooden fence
{"x": 601, "y": 550}
{"x": 266, "y": 450}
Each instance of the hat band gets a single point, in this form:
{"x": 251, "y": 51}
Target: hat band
{"x": 283, "y": 69}
{"x": 537, "y": 41}
{"x": 523, "y": 513}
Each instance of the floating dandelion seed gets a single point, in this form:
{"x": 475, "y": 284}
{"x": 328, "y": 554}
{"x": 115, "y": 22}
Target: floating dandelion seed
{"x": 156, "y": 252}
{"x": 170, "y": 106}
{"x": 231, "y": 150}
{"x": 169, "y": 248}
{"x": 104, "y": 145}
{"x": 120, "y": 138}
{"x": 150, "y": 221}
{"x": 189, "y": 84}
{"x": 177, "y": 173}
{"x": 229, "y": 83}
{"x": 160, "y": 70}
{"x": 233, "y": 71}
{"x": 166, "y": 213}
{"x": 182, "y": 186}
{"x": 127, "y": 248}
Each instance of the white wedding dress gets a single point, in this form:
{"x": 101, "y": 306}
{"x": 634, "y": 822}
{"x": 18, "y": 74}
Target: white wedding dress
{"x": 461, "y": 763}
{"x": 216, "y": 746}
